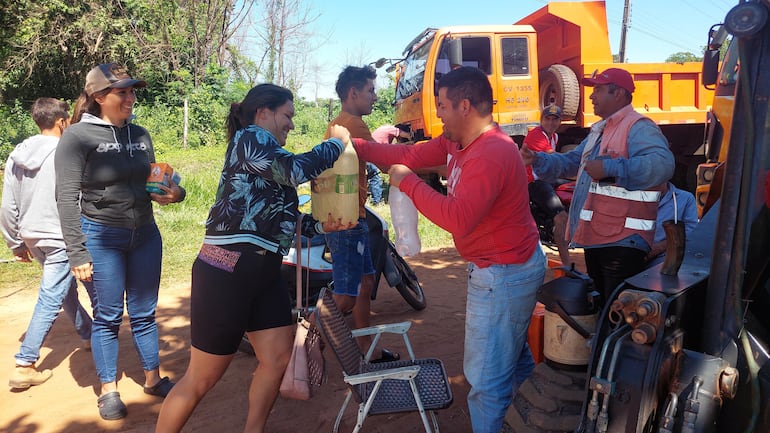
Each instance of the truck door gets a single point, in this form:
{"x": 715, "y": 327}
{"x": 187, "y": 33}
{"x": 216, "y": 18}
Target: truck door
{"x": 515, "y": 85}
{"x": 464, "y": 50}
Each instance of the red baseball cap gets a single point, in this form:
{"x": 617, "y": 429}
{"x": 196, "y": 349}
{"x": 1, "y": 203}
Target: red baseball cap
{"x": 616, "y": 76}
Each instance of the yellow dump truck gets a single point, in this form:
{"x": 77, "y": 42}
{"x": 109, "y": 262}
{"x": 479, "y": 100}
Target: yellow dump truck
{"x": 540, "y": 60}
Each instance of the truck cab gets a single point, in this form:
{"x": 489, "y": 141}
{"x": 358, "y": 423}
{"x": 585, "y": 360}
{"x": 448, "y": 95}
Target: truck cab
{"x": 506, "y": 53}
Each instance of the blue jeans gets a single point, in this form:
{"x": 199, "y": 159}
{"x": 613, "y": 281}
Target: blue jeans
{"x": 524, "y": 366}
{"x": 58, "y": 289}
{"x": 126, "y": 266}
{"x": 374, "y": 182}
{"x": 499, "y": 306}
{"x": 351, "y": 258}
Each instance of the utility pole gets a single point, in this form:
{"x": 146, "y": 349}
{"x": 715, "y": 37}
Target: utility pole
{"x": 624, "y": 30}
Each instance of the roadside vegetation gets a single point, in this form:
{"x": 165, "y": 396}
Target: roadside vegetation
{"x": 199, "y": 163}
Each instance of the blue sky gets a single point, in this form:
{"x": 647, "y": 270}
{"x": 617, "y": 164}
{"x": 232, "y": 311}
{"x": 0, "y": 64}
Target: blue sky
{"x": 361, "y": 31}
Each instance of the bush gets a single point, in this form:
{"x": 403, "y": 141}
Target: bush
{"x": 310, "y": 122}
{"x": 15, "y": 126}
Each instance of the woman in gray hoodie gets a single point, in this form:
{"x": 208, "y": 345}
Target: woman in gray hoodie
{"x": 113, "y": 243}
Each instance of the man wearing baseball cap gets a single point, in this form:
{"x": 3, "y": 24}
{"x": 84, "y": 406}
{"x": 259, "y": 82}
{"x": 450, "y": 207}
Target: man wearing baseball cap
{"x": 544, "y": 138}
{"x": 621, "y": 167}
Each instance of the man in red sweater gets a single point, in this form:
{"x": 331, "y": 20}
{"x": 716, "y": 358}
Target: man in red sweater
{"x": 487, "y": 211}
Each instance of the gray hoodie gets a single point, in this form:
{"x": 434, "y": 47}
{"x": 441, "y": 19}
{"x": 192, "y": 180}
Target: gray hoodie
{"x": 28, "y": 213}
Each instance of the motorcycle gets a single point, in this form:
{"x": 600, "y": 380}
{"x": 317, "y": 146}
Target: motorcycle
{"x": 564, "y": 189}
{"x": 317, "y": 265}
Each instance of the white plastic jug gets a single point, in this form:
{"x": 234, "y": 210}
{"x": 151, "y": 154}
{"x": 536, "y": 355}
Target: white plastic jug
{"x": 403, "y": 214}
{"x": 335, "y": 190}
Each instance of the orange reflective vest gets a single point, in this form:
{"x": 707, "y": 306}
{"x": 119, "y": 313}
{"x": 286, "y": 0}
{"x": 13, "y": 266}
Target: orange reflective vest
{"x": 612, "y": 213}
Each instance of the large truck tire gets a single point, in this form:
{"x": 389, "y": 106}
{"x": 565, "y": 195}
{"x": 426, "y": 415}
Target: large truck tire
{"x": 549, "y": 401}
{"x": 559, "y": 85}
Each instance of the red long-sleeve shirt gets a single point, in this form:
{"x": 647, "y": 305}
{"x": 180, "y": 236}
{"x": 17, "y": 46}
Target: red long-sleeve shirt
{"x": 538, "y": 140}
{"x": 486, "y": 208}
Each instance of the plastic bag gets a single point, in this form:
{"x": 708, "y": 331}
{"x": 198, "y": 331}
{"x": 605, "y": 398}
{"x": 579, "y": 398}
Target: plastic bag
{"x": 403, "y": 213}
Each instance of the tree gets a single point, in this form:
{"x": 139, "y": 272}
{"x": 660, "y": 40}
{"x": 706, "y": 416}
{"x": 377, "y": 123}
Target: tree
{"x": 683, "y": 56}
{"x": 382, "y": 112}
{"x": 53, "y": 44}
{"x": 48, "y": 46}
{"x": 285, "y": 34}
{"x": 211, "y": 24}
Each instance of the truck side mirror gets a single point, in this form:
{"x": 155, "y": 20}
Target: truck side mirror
{"x": 380, "y": 62}
{"x": 455, "y": 51}
{"x": 710, "y": 72}
{"x": 710, "y": 69}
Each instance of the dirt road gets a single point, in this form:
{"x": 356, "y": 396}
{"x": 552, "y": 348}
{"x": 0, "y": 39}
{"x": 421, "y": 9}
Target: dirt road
{"x": 67, "y": 402}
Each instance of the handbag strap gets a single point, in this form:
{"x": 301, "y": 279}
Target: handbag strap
{"x": 298, "y": 255}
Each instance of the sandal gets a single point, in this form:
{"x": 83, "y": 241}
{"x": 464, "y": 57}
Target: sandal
{"x": 160, "y": 389}
{"x": 386, "y": 356}
{"x": 111, "y": 407}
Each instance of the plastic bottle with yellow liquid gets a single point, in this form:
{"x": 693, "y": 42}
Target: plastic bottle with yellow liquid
{"x": 335, "y": 190}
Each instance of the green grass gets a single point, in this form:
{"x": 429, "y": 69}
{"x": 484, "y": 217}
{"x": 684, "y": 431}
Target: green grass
{"x": 182, "y": 224}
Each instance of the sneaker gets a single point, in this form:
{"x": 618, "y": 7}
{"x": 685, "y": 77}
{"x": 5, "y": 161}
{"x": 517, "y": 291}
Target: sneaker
{"x": 24, "y": 377}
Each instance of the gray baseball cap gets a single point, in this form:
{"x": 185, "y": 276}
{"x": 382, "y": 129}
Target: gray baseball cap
{"x": 110, "y": 75}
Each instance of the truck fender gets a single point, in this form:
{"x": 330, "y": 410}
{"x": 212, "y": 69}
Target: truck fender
{"x": 559, "y": 85}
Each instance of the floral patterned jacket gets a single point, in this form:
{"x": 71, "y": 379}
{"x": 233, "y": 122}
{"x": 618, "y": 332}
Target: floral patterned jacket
{"x": 256, "y": 200}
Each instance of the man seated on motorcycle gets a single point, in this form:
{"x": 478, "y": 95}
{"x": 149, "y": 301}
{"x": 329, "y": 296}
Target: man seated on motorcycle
{"x": 543, "y": 139}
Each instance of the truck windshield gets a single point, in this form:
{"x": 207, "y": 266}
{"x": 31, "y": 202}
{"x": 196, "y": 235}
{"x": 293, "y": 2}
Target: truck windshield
{"x": 412, "y": 78}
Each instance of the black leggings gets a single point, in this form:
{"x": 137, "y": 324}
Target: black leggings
{"x": 234, "y": 291}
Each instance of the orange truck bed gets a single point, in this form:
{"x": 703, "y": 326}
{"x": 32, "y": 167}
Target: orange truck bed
{"x": 575, "y": 34}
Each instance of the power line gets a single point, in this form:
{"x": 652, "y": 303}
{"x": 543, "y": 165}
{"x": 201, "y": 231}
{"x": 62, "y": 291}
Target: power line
{"x": 727, "y": 5}
{"x": 666, "y": 40}
{"x": 657, "y": 28}
{"x": 699, "y": 9}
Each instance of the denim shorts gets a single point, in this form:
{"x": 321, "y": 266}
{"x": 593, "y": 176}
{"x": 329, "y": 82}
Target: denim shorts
{"x": 351, "y": 258}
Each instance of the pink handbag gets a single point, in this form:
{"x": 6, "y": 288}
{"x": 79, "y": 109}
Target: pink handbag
{"x": 307, "y": 369}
